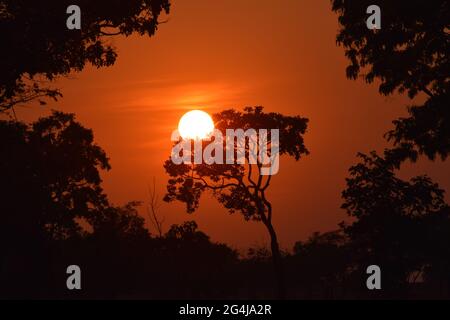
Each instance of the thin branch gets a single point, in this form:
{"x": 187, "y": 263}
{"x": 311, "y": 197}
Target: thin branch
{"x": 222, "y": 186}
{"x": 249, "y": 175}
{"x": 266, "y": 185}
{"x": 428, "y": 92}
{"x": 152, "y": 209}
{"x": 103, "y": 33}
{"x": 268, "y": 205}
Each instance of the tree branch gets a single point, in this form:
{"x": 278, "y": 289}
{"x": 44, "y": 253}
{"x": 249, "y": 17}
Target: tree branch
{"x": 428, "y": 92}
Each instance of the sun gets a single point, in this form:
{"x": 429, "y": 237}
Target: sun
{"x": 195, "y": 124}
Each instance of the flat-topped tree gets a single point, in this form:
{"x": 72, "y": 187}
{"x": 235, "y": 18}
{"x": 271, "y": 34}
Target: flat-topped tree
{"x": 241, "y": 187}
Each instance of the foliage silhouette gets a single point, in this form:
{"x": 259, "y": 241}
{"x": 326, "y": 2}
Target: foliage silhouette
{"x": 55, "y": 214}
{"x": 54, "y": 165}
{"x": 38, "y": 46}
{"x": 393, "y": 221}
{"x": 237, "y": 187}
{"x": 321, "y": 263}
{"x": 409, "y": 54}
{"x": 50, "y": 183}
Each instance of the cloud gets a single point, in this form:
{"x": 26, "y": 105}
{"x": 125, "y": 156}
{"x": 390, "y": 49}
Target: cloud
{"x": 176, "y": 96}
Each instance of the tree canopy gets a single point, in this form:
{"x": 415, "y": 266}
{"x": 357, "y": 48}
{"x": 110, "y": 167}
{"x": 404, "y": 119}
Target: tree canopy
{"x": 394, "y": 222}
{"x": 238, "y": 187}
{"x": 241, "y": 187}
{"x": 37, "y": 46}
{"x": 54, "y": 164}
{"x": 408, "y": 54}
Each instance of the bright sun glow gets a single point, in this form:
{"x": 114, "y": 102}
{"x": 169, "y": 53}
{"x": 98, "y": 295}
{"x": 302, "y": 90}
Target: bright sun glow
{"x": 195, "y": 124}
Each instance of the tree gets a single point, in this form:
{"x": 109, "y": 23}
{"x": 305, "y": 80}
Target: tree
{"x": 437, "y": 252}
{"x": 118, "y": 223}
{"x": 392, "y": 220}
{"x": 321, "y": 262}
{"x": 191, "y": 263}
{"x": 50, "y": 177}
{"x": 237, "y": 187}
{"x": 408, "y": 54}
{"x": 50, "y": 184}
{"x": 152, "y": 209}
{"x": 37, "y": 46}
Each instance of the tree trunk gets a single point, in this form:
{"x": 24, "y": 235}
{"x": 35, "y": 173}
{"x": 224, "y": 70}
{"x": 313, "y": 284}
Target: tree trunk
{"x": 277, "y": 261}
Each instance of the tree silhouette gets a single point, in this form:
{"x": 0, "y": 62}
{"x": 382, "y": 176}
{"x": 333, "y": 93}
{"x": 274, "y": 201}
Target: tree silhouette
{"x": 54, "y": 165}
{"x": 409, "y": 54}
{"x": 50, "y": 184}
{"x": 392, "y": 226}
{"x": 38, "y": 46}
{"x": 118, "y": 223}
{"x": 54, "y": 213}
{"x": 194, "y": 264}
{"x": 436, "y": 248}
{"x": 400, "y": 224}
{"x": 237, "y": 187}
{"x": 321, "y": 262}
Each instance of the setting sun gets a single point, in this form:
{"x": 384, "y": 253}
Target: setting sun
{"x": 195, "y": 124}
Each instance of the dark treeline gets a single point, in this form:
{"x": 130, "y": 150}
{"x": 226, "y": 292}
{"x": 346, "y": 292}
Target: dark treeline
{"x": 55, "y": 214}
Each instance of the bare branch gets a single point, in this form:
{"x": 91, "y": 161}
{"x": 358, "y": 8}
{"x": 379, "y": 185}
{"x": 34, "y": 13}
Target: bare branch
{"x": 266, "y": 185}
{"x": 152, "y": 209}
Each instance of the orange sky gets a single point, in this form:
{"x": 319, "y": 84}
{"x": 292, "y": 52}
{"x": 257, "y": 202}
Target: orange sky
{"x": 229, "y": 53}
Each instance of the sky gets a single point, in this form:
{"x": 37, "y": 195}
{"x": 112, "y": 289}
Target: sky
{"x": 221, "y": 54}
